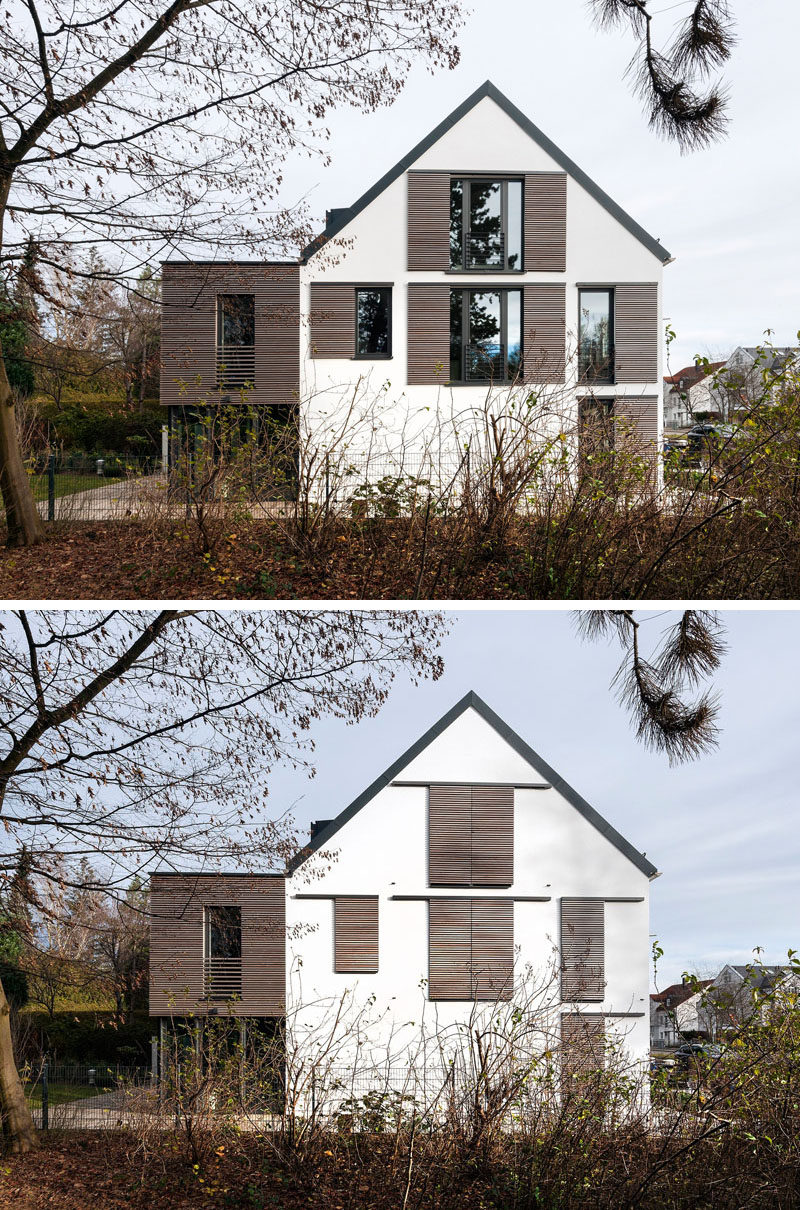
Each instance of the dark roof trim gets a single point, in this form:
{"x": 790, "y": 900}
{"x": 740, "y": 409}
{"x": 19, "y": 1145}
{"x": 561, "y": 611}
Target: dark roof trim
{"x": 210, "y": 874}
{"x": 225, "y": 263}
{"x": 471, "y": 700}
{"x": 340, "y": 217}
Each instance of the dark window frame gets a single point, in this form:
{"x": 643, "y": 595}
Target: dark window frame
{"x": 387, "y": 356}
{"x": 466, "y": 206}
{"x": 220, "y": 318}
{"x": 210, "y": 909}
{"x": 585, "y": 374}
{"x": 503, "y": 291}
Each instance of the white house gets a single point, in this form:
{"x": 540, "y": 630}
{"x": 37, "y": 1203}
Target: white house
{"x": 676, "y": 1013}
{"x": 730, "y": 388}
{"x": 469, "y": 876}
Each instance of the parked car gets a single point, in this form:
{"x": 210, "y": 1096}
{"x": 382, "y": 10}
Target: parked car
{"x": 698, "y": 1052}
{"x": 709, "y": 433}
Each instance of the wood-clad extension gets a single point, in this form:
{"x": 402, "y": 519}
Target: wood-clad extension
{"x": 428, "y": 221}
{"x": 333, "y": 320}
{"x": 545, "y": 207}
{"x": 544, "y": 322}
{"x": 470, "y": 949}
{"x": 471, "y": 835}
{"x": 189, "y": 330}
{"x": 636, "y": 332}
{"x": 177, "y": 943}
{"x": 428, "y": 334}
{"x": 582, "y": 949}
{"x": 355, "y": 934}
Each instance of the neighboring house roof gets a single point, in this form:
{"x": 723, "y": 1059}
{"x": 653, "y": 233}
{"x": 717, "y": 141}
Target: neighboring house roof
{"x": 692, "y": 374}
{"x": 677, "y": 993}
{"x": 471, "y": 700}
{"x": 339, "y": 218}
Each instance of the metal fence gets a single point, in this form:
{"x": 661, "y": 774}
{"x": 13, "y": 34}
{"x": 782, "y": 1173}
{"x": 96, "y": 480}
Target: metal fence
{"x": 88, "y": 1096}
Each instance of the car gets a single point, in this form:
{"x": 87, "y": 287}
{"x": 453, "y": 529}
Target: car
{"x": 698, "y": 1052}
{"x": 709, "y": 433}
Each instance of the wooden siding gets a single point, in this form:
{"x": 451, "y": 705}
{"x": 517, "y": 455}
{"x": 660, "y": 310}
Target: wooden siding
{"x": 470, "y": 835}
{"x": 492, "y": 948}
{"x": 636, "y": 332}
{"x": 428, "y": 221}
{"x": 582, "y": 949}
{"x": 428, "y": 334}
{"x": 492, "y": 835}
{"x": 636, "y": 421}
{"x": 544, "y": 321}
{"x": 546, "y": 221}
{"x": 177, "y": 943}
{"x": 189, "y": 331}
{"x": 583, "y": 1037}
{"x": 470, "y": 949}
{"x": 333, "y": 320}
{"x": 355, "y": 934}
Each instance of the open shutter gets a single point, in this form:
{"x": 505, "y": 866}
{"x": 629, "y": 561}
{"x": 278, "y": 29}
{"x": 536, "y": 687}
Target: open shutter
{"x": 492, "y": 948}
{"x": 636, "y": 332}
{"x": 636, "y": 421}
{"x": 492, "y": 835}
{"x": 582, "y": 949}
{"x": 355, "y": 934}
{"x": 544, "y": 322}
{"x": 449, "y": 949}
{"x": 450, "y": 836}
{"x": 428, "y": 221}
{"x": 546, "y": 221}
{"x": 333, "y": 320}
{"x": 428, "y": 334}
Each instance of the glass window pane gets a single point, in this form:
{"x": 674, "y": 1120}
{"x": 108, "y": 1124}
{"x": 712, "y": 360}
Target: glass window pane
{"x": 456, "y": 333}
{"x": 514, "y": 232}
{"x": 485, "y": 240}
{"x": 372, "y": 322}
{"x": 224, "y": 932}
{"x": 456, "y": 224}
{"x": 484, "y": 353}
{"x": 514, "y": 331}
{"x": 236, "y": 319}
{"x": 596, "y": 334}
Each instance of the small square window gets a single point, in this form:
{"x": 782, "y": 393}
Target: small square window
{"x": 374, "y": 321}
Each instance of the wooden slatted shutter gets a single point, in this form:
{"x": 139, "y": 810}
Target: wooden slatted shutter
{"x": 636, "y": 332}
{"x": 450, "y": 836}
{"x": 492, "y": 948}
{"x": 355, "y": 934}
{"x": 277, "y": 351}
{"x": 583, "y": 1039}
{"x": 546, "y": 221}
{"x": 428, "y": 221}
{"x": 449, "y": 949}
{"x": 582, "y": 949}
{"x": 492, "y": 836}
{"x": 636, "y": 421}
{"x": 544, "y": 322}
{"x": 333, "y": 320}
{"x": 428, "y": 334}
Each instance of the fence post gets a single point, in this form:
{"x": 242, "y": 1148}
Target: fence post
{"x": 327, "y": 479}
{"x": 51, "y": 487}
{"x": 154, "y": 1059}
{"x": 45, "y": 1098}
{"x": 164, "y": 448}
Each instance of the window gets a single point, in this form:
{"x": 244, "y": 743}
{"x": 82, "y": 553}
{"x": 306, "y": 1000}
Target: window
{"x": 374, "y": 322}
{"x": 486, "y": 224}
{"x": 470, "y": 949}
{"x": 222, "y": 965}
{"x": 596, "y": 335}
{"x": 236, "y": 327}
{"x": 485, "y": 335}
{"x": 471, "y": 835}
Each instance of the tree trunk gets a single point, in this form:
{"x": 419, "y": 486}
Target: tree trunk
{"x": 25, "y": 527}
{"x": 18, "y": 1127}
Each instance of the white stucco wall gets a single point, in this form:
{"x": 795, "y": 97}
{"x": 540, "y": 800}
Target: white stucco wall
{"x": 382, "y": 851}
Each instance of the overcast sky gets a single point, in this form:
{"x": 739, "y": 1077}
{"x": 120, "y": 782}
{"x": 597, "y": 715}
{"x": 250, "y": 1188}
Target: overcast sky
{"x": 723, "y": 830}
{"x": 728, "y": 215}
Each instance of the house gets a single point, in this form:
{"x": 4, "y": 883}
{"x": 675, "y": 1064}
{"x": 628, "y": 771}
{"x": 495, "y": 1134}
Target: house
{"x": 739, "y": 991}
{"x": 739, "y": 382}
{"x": 675, "y": 1012}
{"x": 678, "y": 405}
{"x": 484, "y": 260}
{"x": 468, "y": 878}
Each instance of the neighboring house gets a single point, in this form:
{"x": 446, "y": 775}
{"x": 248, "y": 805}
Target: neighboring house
{"x": 738, "y": 383}
{"x": 739, "y": 991}
{"x": 675, "y": 1013}
{"x": 484, "y": 258}
{"x": 678, "y": 388}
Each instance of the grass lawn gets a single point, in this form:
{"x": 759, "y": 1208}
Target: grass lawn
{"x": 62, "y": 1094}
{"x": 69, "y": 482}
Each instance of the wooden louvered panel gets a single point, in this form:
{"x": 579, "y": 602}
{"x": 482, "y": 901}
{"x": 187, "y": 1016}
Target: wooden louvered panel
{"x": 355, "y": 934}
{"x": 450, "y": 836}
{"x": 428, "y": 334}
{"x": 582, "y": 949}
{"x": 636, "y": 332}
{"x": 636, "y": 421}
{"x": 333, "y": 322}
{"x": 492, "y": 948}
{"x": 546, "y": 221}
{"x": 492, "y": 835}
{"x": 177, "y": 944}
{"x": 583, "y": 1040}
{"x": 449, "y": 949}
{"x": 544, "y": 322}
{"x": 428, "y": 221}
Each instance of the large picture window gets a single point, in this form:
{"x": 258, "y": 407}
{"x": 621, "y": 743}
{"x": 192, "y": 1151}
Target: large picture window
{"x": 486, "y": 224}
{"x": 374, "y": 322}
{"x": 596, "y": 335}
{"x": 485, "y": 335}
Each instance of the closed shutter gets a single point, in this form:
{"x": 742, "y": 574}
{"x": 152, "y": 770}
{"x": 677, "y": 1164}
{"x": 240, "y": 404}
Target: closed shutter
{"x": 492, "y": 948}
{"x": 636, "y": 421}
{"x": 428, "y": 334}
{"x": 582, "y": 949}
{"x": 546, "y": 221}
{"x": 428, "y": 221}
{"x": 544, "y": 321}
{"x": 582, "y": 1052}
{"x": 449, "y": 949}
{"x": 333, "y": 320}
{"x": 492, "y": 835}
{"x": 636, "y": 332}
{"x": 355, "y": 934}
{"x": 450, "y": 836}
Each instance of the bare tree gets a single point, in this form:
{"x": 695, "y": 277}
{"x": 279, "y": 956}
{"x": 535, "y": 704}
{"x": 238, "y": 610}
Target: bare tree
{"x": 131, "y": 738}
{"x": 138, "y": 128}
{"x": 673, "y": 83}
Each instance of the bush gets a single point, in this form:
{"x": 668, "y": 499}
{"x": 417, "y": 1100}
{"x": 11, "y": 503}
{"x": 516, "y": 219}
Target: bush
{"x": 82, "y": 1037}
{"x": 98, "y": 425}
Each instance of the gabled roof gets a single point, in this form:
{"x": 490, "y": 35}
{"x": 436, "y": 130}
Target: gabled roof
{"x": 471, "y": 700}
{"x": 338, "y": 219}
{"x": 694, "y": 373}
{"x": 678, "y": 993}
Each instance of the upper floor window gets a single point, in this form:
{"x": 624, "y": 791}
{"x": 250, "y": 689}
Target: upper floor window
{"x": 374, "y": 322}
{"x": 485, "y": 224}
{"x": 485, "y": 335}
{"x": 236, "y": 319}
{"x": 222, "y": 965}
{"x": 596, "y": 335}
